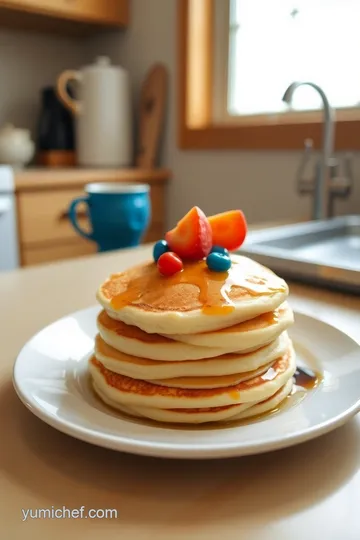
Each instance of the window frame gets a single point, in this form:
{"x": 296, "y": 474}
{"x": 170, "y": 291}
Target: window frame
{"x": 201, "y": 127}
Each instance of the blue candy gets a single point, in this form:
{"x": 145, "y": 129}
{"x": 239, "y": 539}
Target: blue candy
{"x": 218, "y": 262}
{"x": 160, "y": 248}
{"x": 219, "y": 249}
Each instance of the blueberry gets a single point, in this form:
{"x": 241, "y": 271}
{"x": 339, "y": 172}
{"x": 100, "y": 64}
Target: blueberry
{"x": 218, "y": 262}
{"x": 160, "y": 248}
{"x": 219, "y": 249}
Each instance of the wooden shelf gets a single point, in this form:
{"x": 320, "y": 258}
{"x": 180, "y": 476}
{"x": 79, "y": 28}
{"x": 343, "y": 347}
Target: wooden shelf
{"x": 77, "y": 16}
{"x": 43, "y": 179}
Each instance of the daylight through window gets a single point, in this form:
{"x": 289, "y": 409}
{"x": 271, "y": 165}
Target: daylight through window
{"x": 275, "y": 43}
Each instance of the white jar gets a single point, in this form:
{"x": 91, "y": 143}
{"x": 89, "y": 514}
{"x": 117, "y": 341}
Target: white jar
{"x": 103, "y": 113}
{"x": 16, "y": 147}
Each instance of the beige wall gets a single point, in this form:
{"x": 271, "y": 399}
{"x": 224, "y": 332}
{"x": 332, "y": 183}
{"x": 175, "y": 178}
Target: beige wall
{"x": 262, "y": 183}
{"x": 29, "y": 61}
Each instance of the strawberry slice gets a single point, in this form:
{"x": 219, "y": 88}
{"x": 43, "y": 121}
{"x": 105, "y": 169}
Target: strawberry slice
{"x": 229, "y": 229}
{"x": 191, "y": 238}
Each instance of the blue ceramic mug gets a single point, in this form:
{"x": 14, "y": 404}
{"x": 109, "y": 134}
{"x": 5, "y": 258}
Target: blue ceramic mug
{"x": 119, "y": 214}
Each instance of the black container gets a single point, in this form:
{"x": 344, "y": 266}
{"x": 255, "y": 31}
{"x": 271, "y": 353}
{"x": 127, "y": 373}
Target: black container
{"x": 55, "y": 130}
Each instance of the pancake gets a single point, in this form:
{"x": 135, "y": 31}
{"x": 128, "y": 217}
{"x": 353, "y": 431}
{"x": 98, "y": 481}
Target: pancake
{"x": 227, "y": 364}
{"x": 267, "y": 405}
{"x": 200, "y": 416}
{"x": 135, "y": 392}
{"x": 134, "y": 341}
{"x": 194, "y": 300}
{"x": 246, "y": 335}
{"x": 187, "y": 416}
{"x": 220, "y": 381}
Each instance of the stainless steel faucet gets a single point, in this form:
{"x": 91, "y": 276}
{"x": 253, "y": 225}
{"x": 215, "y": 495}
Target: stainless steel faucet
{"x": 327, "y": 182}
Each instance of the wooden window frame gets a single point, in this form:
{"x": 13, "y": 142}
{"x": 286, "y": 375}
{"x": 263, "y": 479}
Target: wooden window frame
{"x": 196, "y": 127}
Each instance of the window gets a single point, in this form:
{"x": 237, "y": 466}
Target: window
{"x": 237, "y": 57}
{"x": 273, "y": 44}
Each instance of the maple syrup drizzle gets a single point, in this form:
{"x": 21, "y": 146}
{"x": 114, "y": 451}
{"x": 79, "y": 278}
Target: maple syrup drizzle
{"x": 214, "y": 287}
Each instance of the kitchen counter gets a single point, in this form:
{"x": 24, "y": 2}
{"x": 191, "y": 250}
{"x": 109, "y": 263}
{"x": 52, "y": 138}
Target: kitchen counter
{"x": 304, "y": 492}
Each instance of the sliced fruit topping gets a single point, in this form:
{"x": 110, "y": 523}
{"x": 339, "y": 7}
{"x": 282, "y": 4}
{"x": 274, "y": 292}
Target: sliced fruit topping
{"x": 229, "y": 229}
{"x": 192, "y": 237}
{"x": 169, "y": 263}
{"x": 218, "y": 262}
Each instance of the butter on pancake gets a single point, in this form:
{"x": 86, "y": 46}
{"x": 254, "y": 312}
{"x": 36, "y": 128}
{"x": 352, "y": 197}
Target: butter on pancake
{"x": 135, "y": 392}
{"x": 194, "y": 300}
{"x": 227, "y": 364}
{"x": 246, "y": 335}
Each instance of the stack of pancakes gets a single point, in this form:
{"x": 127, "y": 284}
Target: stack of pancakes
{"x": 196, "y": 347}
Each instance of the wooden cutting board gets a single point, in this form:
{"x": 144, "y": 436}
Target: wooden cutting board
{"x": 151, "y": 115}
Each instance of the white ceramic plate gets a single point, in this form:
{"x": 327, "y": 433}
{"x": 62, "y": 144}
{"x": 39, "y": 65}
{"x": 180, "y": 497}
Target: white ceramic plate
{"x": 50, "y": 377}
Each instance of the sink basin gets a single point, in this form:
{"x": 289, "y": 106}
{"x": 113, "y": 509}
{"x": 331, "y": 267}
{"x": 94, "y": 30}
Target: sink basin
{"x": 319, "y": 252}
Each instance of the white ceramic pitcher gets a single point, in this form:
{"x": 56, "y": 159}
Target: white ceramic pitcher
{"x": 102, "y": 112}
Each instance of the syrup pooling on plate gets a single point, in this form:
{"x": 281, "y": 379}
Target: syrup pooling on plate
{"x": 214, "y": 288}
{"x": 306, "y": 378}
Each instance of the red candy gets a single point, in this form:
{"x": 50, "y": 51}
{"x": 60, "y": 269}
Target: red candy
{"x": 169, "y": 264}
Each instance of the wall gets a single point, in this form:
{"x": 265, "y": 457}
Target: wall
{"x": 262, "y": 183}
{"x": 28, "y": 62}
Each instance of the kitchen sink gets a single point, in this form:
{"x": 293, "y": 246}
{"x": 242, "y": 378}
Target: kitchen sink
{"x": 324, "y": 252}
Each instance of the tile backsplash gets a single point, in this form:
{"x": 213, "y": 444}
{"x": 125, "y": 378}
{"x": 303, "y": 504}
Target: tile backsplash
{"x": 28, "y": 62}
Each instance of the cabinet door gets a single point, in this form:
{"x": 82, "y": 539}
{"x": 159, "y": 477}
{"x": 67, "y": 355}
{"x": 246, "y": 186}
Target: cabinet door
{"x": 112, "y": 12}
{"x": 43, "y": 217}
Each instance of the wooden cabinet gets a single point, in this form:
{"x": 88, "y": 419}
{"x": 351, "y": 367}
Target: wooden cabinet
{"x": 99, "y": 12}
{"x": 43, "y": 217}
{"x": 45, "y": 231}
{"x": 51, "y": 253}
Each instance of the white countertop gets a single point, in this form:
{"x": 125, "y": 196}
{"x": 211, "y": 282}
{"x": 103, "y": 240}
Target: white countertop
{"x": 305, "y": 492}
